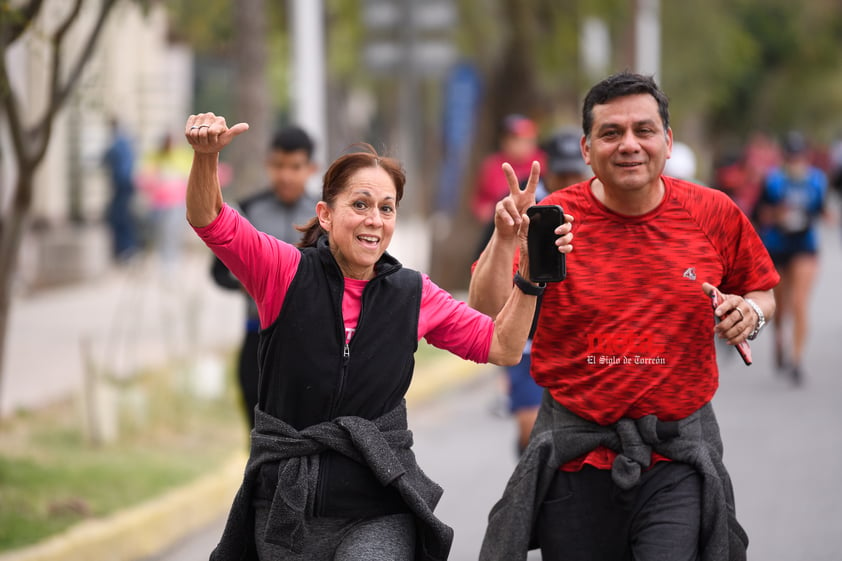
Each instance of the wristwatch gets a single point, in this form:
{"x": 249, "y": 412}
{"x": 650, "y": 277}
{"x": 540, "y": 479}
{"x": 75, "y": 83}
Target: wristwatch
{"x": 761, "y": 319}
{"x": 527, "y": 287}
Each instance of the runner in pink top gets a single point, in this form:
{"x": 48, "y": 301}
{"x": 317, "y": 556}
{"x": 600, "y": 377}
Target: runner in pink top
{"x": 331, "y": 473}
{"x": 445, "y": 322}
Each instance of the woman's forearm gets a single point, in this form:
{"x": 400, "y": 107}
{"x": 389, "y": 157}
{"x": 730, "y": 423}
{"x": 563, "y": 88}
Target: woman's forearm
{"x": 511, "y": 329}
{"x": 204, "y": 195}
{"x": 207, "y": 134}
{"x": 491, "y": 280}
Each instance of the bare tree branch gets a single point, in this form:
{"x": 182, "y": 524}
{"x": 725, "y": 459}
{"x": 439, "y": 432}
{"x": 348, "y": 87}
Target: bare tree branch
{"x": 67, "y": 23}
{"x": 18, "y": 23}
{"x": 59, "y": 92}
{"x": 40, "y": 132}
{"x": 12, "y": 112}
{"x": 30, "y": 146}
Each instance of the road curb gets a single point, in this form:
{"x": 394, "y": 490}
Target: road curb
{"x": 156, "y": 525}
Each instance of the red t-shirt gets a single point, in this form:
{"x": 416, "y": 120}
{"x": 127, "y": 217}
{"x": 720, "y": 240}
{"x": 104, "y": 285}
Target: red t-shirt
{"x": 630, "y": 331}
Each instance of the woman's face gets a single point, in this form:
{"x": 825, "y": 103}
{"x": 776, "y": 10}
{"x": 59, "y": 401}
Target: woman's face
{"x": 361, "y": 221}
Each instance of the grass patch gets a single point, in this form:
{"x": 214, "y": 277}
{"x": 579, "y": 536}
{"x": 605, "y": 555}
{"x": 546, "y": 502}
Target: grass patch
{"x": 427, "y": 353}
{"x": 52, "y": 476}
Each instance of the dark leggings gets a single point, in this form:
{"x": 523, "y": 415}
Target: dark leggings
{"x": 384, "y": 538}
{"x": 585, "y": 516}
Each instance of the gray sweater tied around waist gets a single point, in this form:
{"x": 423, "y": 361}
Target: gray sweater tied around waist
{"x": 383, "y": 444}
{"x": 560, "y": 436}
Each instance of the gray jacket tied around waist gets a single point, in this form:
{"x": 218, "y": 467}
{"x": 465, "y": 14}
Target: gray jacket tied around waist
{"x": 383, "y": 444}
{"x": 560, "y": 436}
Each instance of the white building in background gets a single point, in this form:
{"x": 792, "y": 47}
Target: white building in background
{"x": 135, "y": 75}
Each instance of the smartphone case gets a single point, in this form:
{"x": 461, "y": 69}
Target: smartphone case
{"x": 546, "y": 264}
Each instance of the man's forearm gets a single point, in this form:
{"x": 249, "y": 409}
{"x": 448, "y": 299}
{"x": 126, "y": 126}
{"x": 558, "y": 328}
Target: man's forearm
{"x": 765, "y": 300}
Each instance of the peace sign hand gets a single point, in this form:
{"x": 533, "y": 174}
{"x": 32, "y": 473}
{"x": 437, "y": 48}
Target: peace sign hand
{"x": 508, "y": 214}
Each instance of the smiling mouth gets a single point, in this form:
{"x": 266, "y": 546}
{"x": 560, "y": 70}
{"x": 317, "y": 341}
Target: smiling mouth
{"x": 369, "y": 240}
{"x": 629, "y": 165}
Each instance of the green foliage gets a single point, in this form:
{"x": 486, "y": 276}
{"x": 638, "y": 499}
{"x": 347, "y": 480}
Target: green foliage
{"x": 734, "y": 65}
{"x": 345, "y": 38}
{"x": 558, "y": 37}
{"x": 753, "y": 64}
{"x": 207, "y": 25}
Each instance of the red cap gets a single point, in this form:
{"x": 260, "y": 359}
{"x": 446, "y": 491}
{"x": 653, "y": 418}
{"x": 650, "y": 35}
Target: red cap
{"x": 520, "y": 126}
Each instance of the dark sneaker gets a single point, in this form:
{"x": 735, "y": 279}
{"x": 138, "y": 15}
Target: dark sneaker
{"x": 780, "y": 361}
{"x": 796, "y": 375}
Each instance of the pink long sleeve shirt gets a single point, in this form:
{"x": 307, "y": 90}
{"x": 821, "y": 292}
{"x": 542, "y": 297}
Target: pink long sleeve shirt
{"x": 266, "y": 266}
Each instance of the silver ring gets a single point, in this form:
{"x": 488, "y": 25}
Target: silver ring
{"x": 200, "y": 126}
{"x": 742, "y": 317}
{"x": 194, "y": 127}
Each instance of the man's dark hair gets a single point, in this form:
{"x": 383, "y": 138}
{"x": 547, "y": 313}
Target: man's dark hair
{"x": 293, "y": 139}
{"x": 619, "y": 85}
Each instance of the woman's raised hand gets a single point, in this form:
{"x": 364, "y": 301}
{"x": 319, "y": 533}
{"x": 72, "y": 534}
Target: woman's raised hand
{"x": 208, "y": 134}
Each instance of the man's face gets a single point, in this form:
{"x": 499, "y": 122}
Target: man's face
{"x": 288, "y": 173}
{"x": 518, "y": 148}
{"x": 797, "y": 165}
{"x": 628, "y": 145}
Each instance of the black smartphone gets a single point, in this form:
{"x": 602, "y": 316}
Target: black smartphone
{"x": 546, "y": 263}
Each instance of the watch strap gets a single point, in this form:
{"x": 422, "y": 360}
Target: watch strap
{"x": 527, "y": 287}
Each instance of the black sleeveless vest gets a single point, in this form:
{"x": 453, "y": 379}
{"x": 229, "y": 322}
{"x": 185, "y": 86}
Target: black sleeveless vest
{"x": 309, "y": 375}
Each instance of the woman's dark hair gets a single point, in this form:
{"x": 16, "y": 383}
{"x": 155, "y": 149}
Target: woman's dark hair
{"x": 338, "y": 175}
{"x": 619, "y": 85}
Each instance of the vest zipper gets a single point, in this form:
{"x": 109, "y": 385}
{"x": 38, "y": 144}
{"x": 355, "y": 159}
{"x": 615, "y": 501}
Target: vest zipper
{"x": 346, "y": 358}
{"x": 343, "y": 374}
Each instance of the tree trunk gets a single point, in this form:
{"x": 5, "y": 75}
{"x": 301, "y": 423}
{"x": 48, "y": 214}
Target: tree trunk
{"x": 512, "y": 88}
{"x": 11, "y": 232}
{"x": 252, "y": 97}
{"x": 30, "y": 142}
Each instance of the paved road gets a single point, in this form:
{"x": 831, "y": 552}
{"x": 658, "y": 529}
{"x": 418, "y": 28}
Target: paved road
{"x": 783, "y": 446}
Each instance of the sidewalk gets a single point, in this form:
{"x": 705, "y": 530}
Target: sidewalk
{"x": 133, "y": 318}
